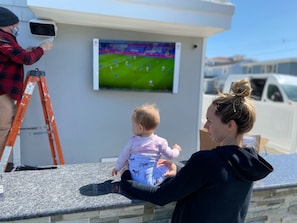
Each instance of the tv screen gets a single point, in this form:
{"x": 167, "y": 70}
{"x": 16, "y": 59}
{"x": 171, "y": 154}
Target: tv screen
{"x": 136, "y": 65}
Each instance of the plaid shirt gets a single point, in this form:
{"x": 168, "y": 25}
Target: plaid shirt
{"x": 12, "y": 60}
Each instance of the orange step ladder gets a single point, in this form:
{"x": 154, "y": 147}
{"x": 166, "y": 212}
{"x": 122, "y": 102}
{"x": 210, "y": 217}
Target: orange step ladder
{"x": 34, "y": 77}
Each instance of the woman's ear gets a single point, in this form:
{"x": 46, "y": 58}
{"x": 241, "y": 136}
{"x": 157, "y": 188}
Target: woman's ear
{"x": 232, "y": 125}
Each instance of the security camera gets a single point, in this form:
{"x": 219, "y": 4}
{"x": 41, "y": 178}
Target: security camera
{"x": 195, "y": 46}
{"x": 43, "y": 28}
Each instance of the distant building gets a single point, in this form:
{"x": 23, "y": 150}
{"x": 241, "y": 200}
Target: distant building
{"x": 283, "y": 66}
{"x": 216, "y": 70}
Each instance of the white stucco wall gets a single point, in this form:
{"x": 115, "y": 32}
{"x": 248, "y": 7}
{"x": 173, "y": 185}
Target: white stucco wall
{"x": 93, "y": 125}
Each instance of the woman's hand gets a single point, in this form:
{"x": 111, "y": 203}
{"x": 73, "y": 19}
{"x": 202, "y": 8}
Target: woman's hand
{"x": 171, "y": 166}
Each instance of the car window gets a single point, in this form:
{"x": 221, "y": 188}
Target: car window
{"x": 274, "y": 94}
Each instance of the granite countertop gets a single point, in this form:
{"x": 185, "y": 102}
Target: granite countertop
{"x": 76, "y": 188}
{"x": 66, "y": 189}
{"x": 284, "y": 174}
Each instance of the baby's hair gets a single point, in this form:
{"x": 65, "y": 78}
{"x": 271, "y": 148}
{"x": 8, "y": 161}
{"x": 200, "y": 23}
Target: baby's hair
{"x": 237, "y": 106}
{"x": 147, "y": 115}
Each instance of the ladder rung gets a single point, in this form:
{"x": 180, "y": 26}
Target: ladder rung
{"x": 33, "y": 128}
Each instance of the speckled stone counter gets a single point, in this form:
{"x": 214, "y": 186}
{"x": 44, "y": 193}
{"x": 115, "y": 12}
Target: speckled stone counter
{"x": 284, "y": 174}
{"x": 67, "y": 189}
{"x": 82, "y": 188}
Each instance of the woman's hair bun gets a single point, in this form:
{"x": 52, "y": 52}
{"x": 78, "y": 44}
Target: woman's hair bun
{"x": 242, "y": 88}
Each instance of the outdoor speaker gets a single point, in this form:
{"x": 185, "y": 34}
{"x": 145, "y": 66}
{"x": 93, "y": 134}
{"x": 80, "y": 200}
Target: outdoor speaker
{"x": 43, "y": 28}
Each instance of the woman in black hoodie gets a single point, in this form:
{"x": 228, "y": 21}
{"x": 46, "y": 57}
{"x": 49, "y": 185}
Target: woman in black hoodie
{"x": 214, "y": 186}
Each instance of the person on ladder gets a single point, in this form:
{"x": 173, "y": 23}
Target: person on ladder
{"x": 12, "y": 60}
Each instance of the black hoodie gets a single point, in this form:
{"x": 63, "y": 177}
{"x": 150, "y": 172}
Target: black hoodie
{"x": 214, "y": 186}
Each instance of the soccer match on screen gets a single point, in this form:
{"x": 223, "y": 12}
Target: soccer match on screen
{"x": 134, "y": 65}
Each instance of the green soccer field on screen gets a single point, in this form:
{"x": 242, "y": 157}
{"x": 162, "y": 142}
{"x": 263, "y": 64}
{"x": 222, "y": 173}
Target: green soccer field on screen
{"x": 135, "y": 65}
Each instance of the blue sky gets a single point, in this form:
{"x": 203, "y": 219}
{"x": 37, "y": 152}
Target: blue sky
{"x": 260, "y": 29}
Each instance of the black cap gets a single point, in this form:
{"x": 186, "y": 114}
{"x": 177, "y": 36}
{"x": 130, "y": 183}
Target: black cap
{"x": 7, "y": 17}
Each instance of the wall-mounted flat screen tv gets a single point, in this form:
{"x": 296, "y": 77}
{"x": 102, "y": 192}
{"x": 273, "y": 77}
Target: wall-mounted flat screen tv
{"x": 136, "y": 65}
